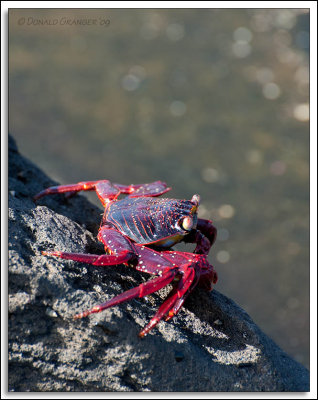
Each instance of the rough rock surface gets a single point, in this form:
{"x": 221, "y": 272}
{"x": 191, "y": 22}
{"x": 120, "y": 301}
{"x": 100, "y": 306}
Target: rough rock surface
{"x": 212, "y": 345}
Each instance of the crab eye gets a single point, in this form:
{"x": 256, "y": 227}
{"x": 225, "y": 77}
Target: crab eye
{"x": 195, "y": 199}
{"x": 187, "y": 223}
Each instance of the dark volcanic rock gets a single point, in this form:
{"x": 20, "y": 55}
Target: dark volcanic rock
{"x": 212, "y": 345}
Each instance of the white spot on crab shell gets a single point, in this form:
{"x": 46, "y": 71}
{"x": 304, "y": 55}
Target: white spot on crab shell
{"x": 158, "y": 265}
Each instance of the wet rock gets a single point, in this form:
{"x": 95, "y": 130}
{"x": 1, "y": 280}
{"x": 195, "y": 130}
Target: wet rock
{"x": 212, "y": 345}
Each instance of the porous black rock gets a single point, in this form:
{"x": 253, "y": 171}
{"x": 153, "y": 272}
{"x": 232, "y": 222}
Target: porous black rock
{"x": 212, "y": 345}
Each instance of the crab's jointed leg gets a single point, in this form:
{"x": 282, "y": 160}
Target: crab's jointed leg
{"x": 184, "y": 288}
{"x": 187, "y": 268}
{"x": 140, "y": 291}
{"x": 94, "y": 259}
{"x": 107, "y": 191}
{"x": 173, "y": 303}
{"x": 121, "y": 250}
{"x": 72, "y": 188}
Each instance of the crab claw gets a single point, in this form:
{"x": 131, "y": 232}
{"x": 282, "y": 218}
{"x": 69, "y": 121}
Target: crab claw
{"x": 207, "y": 280}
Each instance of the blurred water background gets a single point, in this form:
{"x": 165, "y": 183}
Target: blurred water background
{"x": 212, "y": 101}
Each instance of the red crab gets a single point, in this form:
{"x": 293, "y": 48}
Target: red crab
{"x": 139, "y": 230}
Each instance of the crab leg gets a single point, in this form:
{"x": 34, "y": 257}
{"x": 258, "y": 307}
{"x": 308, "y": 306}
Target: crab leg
{"x": 185, "y": 287}
{"x": 172, "y": 304}
{"x": 163, "y": 309}
{"x": 106, "y": 190}
{"x": 94, "y": 259}
{"x": 122, "y": 251}
{"x": 152, "y": 189}
{"x": 140, "y": 291}
{"x": 73, "y": 188}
